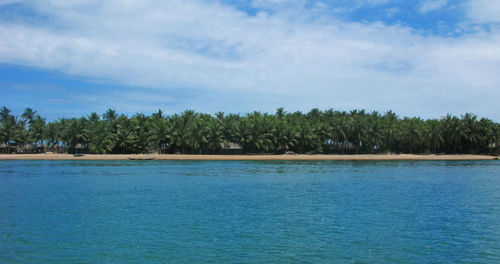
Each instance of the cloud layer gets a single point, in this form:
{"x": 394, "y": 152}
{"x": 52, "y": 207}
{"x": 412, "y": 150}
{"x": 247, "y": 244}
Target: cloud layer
{"x": 432, "y": 5}
{"x": 289, "y": 53}
{"x": 484, "y": 11}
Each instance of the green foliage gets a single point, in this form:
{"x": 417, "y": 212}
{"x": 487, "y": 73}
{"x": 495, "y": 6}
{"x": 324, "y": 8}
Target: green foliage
{"x": 190, "y": 132}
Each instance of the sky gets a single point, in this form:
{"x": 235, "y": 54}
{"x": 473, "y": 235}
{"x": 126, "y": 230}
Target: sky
{"x": 418, "y": 58}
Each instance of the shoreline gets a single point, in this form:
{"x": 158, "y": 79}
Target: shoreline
{"x": 298, "y": 157}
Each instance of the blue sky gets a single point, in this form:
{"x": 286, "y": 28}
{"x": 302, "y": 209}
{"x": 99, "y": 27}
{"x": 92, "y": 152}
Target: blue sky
{"x": 419, "y": 58}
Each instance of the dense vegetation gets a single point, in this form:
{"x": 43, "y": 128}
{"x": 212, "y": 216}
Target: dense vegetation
{"x": 191, "y": 132}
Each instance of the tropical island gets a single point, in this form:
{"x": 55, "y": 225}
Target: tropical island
{"x": 323, "y": 133}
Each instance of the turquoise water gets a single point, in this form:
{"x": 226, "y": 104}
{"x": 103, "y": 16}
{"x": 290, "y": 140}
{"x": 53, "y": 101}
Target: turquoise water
{"x": 249, "y": 212}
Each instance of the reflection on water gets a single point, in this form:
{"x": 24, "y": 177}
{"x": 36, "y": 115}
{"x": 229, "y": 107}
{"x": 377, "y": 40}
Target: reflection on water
{"x": 249, "y": 211}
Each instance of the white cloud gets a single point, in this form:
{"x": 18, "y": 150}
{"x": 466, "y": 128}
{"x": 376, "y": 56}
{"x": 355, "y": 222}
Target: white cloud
{"x": 374, "y": 2}
{"x": 272, "y": 60}
{"x": 483, "y": 11}
{"x": 432, "y": 5}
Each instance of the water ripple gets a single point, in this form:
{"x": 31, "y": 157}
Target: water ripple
{"x": 249, "y": 212}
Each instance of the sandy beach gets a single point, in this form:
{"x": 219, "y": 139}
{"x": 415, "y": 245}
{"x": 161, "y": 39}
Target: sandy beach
{"x": 241, "y": 157}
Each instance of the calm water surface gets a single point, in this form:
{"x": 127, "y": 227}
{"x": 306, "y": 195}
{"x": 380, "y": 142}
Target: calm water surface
{"x": 249, "y": 212}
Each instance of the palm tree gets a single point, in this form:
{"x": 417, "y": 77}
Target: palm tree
{"x": 51, "y": 134}
{"x": 110, "y": 115}
{"x": 28, "y": 116}
{"x": 159, "y": 131}
{"x": 435, "y": 134}
{"x": 139, "y": 133}
{"x": 4, "y": 113}
{"x": 357, "y": 129}
{"x": 470, "y": 130}
{"x": 122, "y": 137}
{"x": 489, "y": 135}
{"x": 452, "y": 132}
{"x": 187, "y": 126}
{"x": 8, "y": 129}
{"x": 209, "y": 134}
{"x": 37, "y": 131}
{"x": 390, "y": 131}
{"x": 21, "y": 135}
{"x": 285, "y": 135}
{"x": 413, "y": 131}
{"x": 374, "y": 130}
{"x": 257, "y": 133}
{"x": 158, "y": 114}
{"x": 94, "y": 118}
{"x": 230, "y": 128}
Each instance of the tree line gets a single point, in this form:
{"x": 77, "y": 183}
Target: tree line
{"x": 191, "y": 132}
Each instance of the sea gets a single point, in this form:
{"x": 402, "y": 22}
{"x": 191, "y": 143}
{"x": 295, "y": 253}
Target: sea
{"x": 249, "y": 211}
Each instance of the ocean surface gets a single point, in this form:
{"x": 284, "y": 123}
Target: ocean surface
{"x": 249, "y": 212}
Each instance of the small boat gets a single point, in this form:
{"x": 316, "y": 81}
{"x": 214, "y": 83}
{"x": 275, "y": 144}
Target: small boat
{"x": 78, "y": 155}
{"x": 141, "y": 158}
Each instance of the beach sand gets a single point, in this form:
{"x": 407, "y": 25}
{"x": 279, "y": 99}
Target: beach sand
{"x": 242, "y": 157}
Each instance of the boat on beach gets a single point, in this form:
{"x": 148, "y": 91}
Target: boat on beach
{"x": 132, "y": 158}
